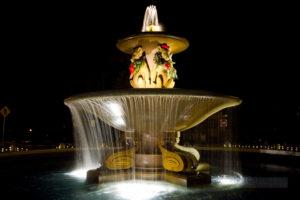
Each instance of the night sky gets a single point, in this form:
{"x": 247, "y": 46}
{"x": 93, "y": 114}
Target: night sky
{"x": 52, "y": 51}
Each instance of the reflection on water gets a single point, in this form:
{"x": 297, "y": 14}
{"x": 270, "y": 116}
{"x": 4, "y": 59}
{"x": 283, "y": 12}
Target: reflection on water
{"x": 144, "y": 190}
{"x": 231, "y": 180}
{"x": 48, "y": 180}
{"x": 139, "y": 189}
{"x": 61, "y": 185}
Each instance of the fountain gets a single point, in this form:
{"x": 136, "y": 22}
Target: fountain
{"x": 135, "y": 133}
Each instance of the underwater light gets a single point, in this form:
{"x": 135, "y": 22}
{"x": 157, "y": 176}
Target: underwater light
{"x": 78, "y": 173}
{"x": 229, "y": 180}
{"x": 141, "y": 190}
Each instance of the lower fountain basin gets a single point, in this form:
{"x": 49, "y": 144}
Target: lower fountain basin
{"x": 53, "y": 180}
{"x": 152, "y": 110}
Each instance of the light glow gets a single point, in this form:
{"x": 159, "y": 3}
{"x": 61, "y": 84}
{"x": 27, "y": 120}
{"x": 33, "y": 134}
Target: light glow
{"x": 153, "y": 28}
{"x": 115, "y": 108}
{"x": 229, "y": 180}
{"x": 119, "y": 122}
{"x": 78, "y": 173}
{"x": 139, "y": 190}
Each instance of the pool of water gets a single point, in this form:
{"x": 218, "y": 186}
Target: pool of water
{"x": 49, "y": 177}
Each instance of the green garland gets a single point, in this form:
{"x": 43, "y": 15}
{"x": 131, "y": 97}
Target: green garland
{"x": 159, "y": 59}
{"x": 168, "y": 64}
{"x": 173, "y": 73}
{"x": 137, "y": 64}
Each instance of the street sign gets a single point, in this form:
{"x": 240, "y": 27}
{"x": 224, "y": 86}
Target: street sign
{"x": 5, "y": 111}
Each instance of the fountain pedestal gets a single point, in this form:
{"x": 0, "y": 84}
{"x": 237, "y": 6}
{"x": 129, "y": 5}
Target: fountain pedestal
{"x": 194, "y": 180}
{"x": 150, "y": 163}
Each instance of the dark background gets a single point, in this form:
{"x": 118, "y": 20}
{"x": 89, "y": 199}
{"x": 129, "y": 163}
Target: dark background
{"x": 51, "y": 51}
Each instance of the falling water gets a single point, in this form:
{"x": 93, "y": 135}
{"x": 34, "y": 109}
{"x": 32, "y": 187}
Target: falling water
{"x": 211, "y": 138}
{"x": 150, "y": 22}
{"x": 92, "y": 136}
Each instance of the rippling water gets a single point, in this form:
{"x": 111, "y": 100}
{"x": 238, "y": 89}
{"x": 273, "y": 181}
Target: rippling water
{"x": 49, "y": 178}
{"x": 60, "y": 185}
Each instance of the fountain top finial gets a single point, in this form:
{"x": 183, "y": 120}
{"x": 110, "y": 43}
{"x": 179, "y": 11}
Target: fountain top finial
{"x": 150, "y": 23}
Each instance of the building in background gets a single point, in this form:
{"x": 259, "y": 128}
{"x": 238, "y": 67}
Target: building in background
{"x": 216, "y": 130}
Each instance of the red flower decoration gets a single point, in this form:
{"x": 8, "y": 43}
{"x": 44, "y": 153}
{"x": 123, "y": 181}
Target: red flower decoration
{"x": 167, "y": 65}
{"x": 165, "y": 46}
{"x": 131, "y": 69}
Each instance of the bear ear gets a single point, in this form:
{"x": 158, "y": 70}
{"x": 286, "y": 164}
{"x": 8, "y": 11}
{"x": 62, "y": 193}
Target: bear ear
{"x": 135, "y": 48}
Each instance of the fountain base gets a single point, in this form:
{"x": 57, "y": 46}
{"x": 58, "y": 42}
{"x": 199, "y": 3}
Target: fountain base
{"x": 186, "y": 180}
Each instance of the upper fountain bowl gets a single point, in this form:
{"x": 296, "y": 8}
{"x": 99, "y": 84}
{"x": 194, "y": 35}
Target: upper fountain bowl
{"x": 153, "y": 110}
{"x": 152, "y": 40}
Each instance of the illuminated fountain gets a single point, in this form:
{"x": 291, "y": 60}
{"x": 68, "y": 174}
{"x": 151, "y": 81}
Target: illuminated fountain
{"x": 147, "y": 121}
